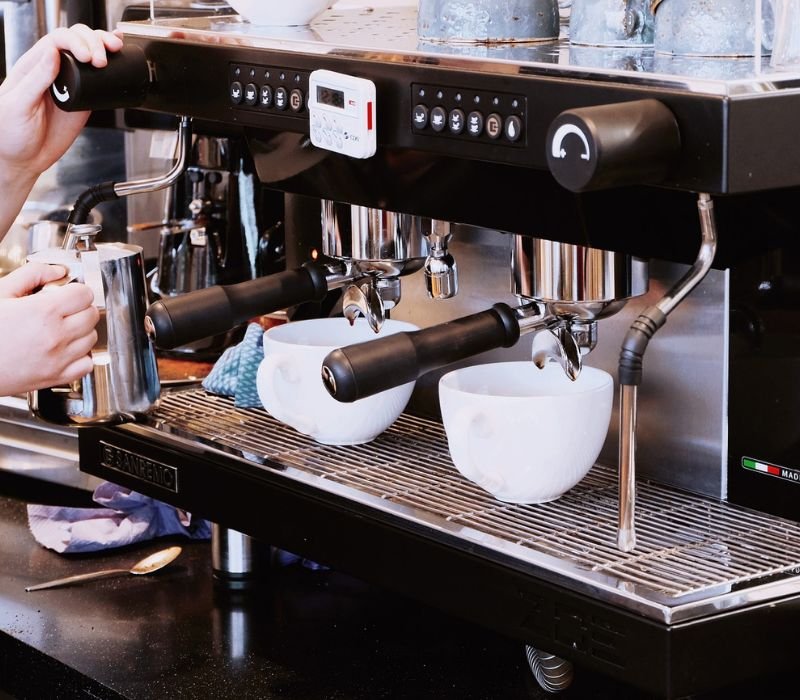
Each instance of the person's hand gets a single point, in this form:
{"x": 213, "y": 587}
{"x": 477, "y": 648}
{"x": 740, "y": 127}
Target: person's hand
{"x": 35, "y": 132}
{"x": 48, "y": 335}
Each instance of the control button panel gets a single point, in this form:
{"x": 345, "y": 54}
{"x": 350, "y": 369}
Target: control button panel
{"x": 270, "y": 89}
{"x": 342, "y": 113}
{"x": 496, "y": 118}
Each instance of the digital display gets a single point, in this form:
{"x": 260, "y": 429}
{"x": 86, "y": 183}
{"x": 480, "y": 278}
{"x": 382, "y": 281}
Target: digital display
{"x": 330, "y": 97}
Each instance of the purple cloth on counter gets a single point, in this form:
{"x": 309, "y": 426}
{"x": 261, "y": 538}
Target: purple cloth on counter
{"x": 126, "y": 517}
{"x": 234, "y": 373}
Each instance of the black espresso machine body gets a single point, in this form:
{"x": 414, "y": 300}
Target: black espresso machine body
{"x": 715, "y": 567}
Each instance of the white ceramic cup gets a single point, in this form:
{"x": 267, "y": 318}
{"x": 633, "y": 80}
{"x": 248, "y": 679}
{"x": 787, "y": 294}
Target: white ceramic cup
{"x": 289, "y": 381}
{"x": 523, "y": 434}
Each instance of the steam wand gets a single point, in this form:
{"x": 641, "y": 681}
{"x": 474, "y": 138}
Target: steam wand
{"x": 630, "y": 368}
{"x": 108, "y": 191}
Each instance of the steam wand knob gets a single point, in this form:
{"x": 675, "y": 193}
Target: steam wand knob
{"x": 628, "y": 143}
{"x": 124, "y": 82}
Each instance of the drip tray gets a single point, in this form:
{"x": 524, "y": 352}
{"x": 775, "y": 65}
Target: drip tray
{"x": 694, "y": 555}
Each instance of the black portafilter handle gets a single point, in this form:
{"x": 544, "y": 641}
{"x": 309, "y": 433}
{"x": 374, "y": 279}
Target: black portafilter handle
{"x": 357, "y": 371}
{"x": 124, "y": 82}
{"x": 207, "y": 312}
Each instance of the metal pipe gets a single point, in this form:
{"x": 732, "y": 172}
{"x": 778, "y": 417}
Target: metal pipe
{"x": 123, "y": 189}
{"x": 630, "y": 367}
{"x": 705, "y": 256}
{"x": 108, "y": 191}
{"x": 626, "y": 536}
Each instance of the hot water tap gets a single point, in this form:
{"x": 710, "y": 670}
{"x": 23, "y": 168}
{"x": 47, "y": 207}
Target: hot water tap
{"x": 376, "y": 247}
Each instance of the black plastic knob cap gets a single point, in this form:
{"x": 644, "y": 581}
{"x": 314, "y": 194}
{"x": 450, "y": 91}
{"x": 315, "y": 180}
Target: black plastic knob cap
{"x": 124, "y": 82}
{"x": 628, "y": 143}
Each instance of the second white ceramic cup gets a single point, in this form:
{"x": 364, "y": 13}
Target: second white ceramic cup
{"x": 523, "y": 434}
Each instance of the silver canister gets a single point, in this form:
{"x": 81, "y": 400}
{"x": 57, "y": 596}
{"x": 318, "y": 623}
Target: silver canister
{"x": 573, "y": 280}
{"x": 187, "y": 259}
{"x": 375, "y": 240}
{"x": 124, "y": 382}
{"x": 611, "y": 23}
{"x": 487, "y": 21}
{"x": 714, "y": 27}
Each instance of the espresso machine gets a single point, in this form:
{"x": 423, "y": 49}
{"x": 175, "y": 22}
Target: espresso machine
{"x": 588, "y": 196}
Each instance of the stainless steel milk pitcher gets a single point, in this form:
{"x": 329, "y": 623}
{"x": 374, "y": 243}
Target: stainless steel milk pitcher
{"x": 124, "y": 381}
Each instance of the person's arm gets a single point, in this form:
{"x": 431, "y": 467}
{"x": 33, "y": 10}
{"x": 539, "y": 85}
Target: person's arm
{"x": 35, "y": 133}
{"x": 46, "y": 336}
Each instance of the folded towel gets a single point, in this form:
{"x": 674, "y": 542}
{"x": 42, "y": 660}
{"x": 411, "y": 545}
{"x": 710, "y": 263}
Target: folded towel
{"x": 126, "y": 517}
{"x": 234, "y": 374}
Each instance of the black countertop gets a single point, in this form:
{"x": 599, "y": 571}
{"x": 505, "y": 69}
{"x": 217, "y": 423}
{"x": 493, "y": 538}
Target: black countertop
{"x": 299, "y": 635}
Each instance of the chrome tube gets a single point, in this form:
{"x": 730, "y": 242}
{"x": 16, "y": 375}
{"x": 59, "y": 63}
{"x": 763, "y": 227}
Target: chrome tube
{"x": 123, "y": 189}
{"x": 626, "y": 533}
{"x": 646, "y": 325}
{"x": 708, "y": 248}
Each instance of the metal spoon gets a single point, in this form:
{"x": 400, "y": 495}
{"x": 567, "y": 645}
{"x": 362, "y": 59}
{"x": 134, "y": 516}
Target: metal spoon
{"x": 148, "y": 565}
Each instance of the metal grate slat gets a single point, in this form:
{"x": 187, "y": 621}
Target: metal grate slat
{"x": 686, "y": 543}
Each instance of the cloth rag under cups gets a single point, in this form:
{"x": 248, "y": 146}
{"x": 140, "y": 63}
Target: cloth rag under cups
{"x": 234, "y": 374}
{"x": 126, "y": 517}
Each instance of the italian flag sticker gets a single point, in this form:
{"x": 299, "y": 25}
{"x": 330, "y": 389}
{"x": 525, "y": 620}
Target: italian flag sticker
{"x": 771, "y": 469}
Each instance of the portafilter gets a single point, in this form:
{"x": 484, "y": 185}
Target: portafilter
{"x": 563, "y": 290}
{"x": 365, "y": 251}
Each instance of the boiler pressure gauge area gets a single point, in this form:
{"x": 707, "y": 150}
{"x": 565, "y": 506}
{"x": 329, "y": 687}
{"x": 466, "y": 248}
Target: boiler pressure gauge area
{"x": 341, "y": 110}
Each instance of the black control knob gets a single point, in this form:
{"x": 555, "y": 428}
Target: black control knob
{"x": 122, "y": 83}
{"x": 613, "y": 145}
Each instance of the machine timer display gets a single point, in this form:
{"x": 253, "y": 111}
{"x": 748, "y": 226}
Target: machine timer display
{"x": 342, "y": 113}
{"x": 329, "y": 96}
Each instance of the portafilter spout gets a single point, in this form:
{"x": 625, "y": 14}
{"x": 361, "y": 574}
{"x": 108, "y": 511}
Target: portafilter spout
{"x": 576, "y": 286}
{"x": 563, "y": 291}
{"x": 376, "y": 247}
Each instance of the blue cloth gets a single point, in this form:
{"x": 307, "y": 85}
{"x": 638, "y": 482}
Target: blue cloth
{"x": 234, "y": 374}
{"x": 126, "y": 517}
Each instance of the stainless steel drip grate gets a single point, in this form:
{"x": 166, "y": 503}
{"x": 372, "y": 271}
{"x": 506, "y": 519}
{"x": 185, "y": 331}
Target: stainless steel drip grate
{"x": 688, "y": 546}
